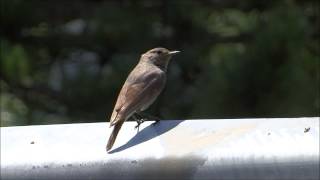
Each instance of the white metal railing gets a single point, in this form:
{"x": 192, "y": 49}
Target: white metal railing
{"x": 277, "y": 148}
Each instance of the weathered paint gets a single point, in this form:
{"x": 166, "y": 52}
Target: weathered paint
{"x": 277, "y": 148}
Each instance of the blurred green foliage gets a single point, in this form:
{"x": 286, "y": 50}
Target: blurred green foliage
{"x": 65, "y": 61}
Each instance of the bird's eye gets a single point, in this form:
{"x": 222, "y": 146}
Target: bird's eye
{"x": 157, "y": 52}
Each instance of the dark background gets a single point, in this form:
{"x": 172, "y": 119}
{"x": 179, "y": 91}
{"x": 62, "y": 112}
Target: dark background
{"x": 65, "y": 61}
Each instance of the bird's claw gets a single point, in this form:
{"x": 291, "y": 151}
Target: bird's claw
{"x": 139, "y": 121}
{"x": 156, "y": 122}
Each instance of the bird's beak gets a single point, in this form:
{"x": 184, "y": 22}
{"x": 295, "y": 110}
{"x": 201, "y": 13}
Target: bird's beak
{"x": 173, "y": 52}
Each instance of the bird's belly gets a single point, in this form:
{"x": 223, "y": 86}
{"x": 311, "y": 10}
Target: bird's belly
{"x": 146, "y": 105}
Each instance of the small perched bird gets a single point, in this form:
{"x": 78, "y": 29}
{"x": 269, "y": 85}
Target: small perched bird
{"x": 142, "y": 87}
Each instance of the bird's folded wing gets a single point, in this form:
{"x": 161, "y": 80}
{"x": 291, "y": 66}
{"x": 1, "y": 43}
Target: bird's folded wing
{"x": 134, "y": 95}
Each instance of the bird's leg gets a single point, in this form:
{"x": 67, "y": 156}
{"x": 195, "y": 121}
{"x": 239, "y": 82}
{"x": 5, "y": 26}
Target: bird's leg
{"x": 138, "y": 119}
{"x": 149, "y": 117}
{"x": 156, "y": 122}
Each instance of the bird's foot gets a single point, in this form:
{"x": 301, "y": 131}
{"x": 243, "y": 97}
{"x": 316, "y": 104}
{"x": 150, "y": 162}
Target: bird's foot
{"x": 148, "y": 116}
{"x": 139, "y": 121}
{"x": 156, "y": 122}
{"x": 141, "y": 117}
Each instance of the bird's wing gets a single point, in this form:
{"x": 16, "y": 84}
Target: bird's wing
{"x": 134, "y": 95}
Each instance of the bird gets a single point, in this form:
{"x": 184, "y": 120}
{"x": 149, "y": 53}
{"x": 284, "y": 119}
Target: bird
{"x": 141, "y": 88}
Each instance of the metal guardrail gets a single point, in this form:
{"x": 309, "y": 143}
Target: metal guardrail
{"x": 192, "y": 149}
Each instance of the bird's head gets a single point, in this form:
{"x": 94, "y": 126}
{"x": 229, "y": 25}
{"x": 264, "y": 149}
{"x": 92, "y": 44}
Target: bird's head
{"x": 158, "y": 56}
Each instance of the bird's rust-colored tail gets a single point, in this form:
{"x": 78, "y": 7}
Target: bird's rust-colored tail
{"x": 114, "y": 134}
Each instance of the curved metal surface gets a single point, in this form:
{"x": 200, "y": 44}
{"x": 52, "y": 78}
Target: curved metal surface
{"x": 192, "y": 149}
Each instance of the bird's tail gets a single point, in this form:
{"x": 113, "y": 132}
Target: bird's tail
{"x": 113, "y": 135}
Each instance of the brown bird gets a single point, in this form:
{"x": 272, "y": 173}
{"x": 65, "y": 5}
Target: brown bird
{"x": 140, "y": 90}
